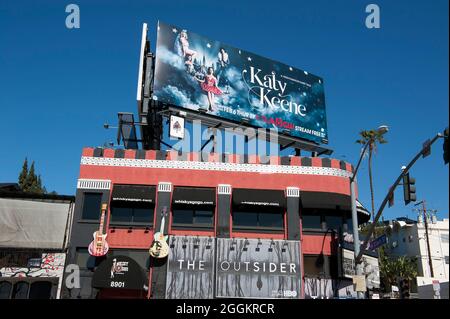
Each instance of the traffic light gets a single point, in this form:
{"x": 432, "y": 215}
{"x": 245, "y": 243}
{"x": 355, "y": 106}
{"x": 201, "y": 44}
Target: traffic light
{"x": 404, "y": 289}
{"x": 409, "y": 190}
{"x": 445, "y": 146}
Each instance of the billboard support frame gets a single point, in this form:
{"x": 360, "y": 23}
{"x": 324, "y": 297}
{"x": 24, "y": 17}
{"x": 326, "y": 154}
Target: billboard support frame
{"x": 211, "y": 122}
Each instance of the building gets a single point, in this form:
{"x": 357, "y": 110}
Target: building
{"x": 238, "y": 226}
{"x": 407, "y": 237}
{"x": 33, "y": 241}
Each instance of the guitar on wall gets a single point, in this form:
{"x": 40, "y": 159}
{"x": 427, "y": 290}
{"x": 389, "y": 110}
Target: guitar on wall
{"x": 159, "y": 247}
{"x": 99, "y": 247}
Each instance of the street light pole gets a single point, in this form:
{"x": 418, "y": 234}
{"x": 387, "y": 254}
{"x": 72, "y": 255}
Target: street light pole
{"x": 356, "y": 242}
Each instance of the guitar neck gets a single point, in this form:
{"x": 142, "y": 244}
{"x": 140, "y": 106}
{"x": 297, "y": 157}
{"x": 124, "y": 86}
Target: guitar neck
{"x": 163, "y": 221}
{"x": 102, "y": 219}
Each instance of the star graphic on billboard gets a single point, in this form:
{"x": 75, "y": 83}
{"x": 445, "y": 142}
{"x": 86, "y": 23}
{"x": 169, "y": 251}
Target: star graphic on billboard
{"x": 174, "y": 30}
{"x": 305, "y": 72}
{"x": 290, "y": 68}
{"x": 208, "y": 45}
{"x": 249, "y": 58}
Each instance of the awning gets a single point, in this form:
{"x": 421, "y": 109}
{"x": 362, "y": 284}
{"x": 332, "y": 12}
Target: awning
{"x": 324, "y": 200}
{"x": 259, "y": 198}
{"x": 33, "y": 224}
{"x": 194, "y": 196}
{"x": 134, "y": 193}
{"x": 120, "y": 272}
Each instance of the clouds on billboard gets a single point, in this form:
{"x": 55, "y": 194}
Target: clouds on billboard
{"x": 168, "y": 57}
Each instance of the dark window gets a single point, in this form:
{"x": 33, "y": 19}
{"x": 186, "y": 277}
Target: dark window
{"x": 193, "y": 217}
{"x": 245, "y": 219}
{"x": 92, "y": 205}
{"x": 18, "y": 258}
{"x": 5, "y": 290}
{"x": 20, "y": 290}
{"x": 40, "y": 290}
{"x": 86, "y": 261}
{"x": 311, "y": 222}
{"x": 314, "y": 265}
{"x": 349, "y": 222}
{"x": 123, "y": 212}
{"x": 258, "y": 220}
{"x": 34, "y": 262}
{"x": 334, "y": 222}
{"x": 319, "y": 265}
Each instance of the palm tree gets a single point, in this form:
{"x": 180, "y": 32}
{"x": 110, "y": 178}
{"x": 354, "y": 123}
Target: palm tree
{"x": 373, "y": 137}
{"x": 394, "y": 269}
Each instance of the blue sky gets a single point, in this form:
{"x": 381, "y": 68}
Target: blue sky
{"x": 58, "y": 86}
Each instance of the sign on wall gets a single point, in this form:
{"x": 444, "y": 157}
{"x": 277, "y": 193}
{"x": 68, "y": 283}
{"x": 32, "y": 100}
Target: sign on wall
{"x": 200, "y": 74}
{"x": 190, "y": 267}
{"x": 120, "y": 272}
{"x": 176, "y": 127}
{"x": 252, "y": 268}
{"x": 371, "y": 268}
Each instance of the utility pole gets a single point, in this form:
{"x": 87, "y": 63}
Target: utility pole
{"x": 425, "y": 215}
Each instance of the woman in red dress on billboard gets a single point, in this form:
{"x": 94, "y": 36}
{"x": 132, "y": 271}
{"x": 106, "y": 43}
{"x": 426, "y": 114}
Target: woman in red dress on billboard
{"x": 209, "y": 85}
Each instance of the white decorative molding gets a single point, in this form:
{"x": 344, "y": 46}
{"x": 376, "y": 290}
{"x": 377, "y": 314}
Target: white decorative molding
{"x": 94, "y": 184}
{"x": 292, "y": 192}
{"x": 224, "y": 189}
{"x": 215, "y": 166}
{"x": 165, "y": 187}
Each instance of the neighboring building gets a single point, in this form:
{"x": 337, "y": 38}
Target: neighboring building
{"x": 261, "y": 227}
{"x": 33, "y": 238}
{"x": 408, "y": 238}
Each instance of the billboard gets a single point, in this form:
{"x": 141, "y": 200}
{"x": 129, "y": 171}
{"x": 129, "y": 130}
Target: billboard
{"x": 199, "y": 74}
{"x": 190, "y": 267}
{"x": 252, "y": 268}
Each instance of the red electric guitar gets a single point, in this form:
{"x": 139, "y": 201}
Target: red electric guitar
{"x": 99, "y": 247}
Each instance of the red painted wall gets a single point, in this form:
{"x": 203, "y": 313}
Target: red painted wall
{"x": 316, "y": 244}
{"x": 198, "y": 178}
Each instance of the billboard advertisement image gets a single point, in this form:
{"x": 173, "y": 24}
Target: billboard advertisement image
{"x": 199, "y": 74}
{"x": 190, "y": 268}
{"x": 252, "y": 268}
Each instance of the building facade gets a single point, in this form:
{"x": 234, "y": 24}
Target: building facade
{"x": 408, "y": 238}
{"x": 238, "y": 226}
{"x": 34, "y": 232}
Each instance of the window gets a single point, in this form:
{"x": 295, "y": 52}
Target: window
{"x": 5, "y": 290}
{"x": 123, "y": 212}
{"x": 40, "y": 290}
{"x": 348, "y": 226}
{"x": 446, "y": 259}
{"x": 20, "y": 290}
{"x": 193, "y": 217}
{"x": 34, "y": 262}
{"x": 444, "y": 238}
{"x": 311, "y": 222}
{"x": 261, "y": 220}
{"x": 334, "y": 222}
{"x": 86, "y": 261}
{"x": 314, "y": 265}
{"x": 91, "y": 206}
{"x": 320, "y": 266}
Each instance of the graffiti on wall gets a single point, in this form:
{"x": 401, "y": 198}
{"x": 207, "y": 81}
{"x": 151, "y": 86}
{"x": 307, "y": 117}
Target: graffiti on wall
{"x": 51, "y": 265}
